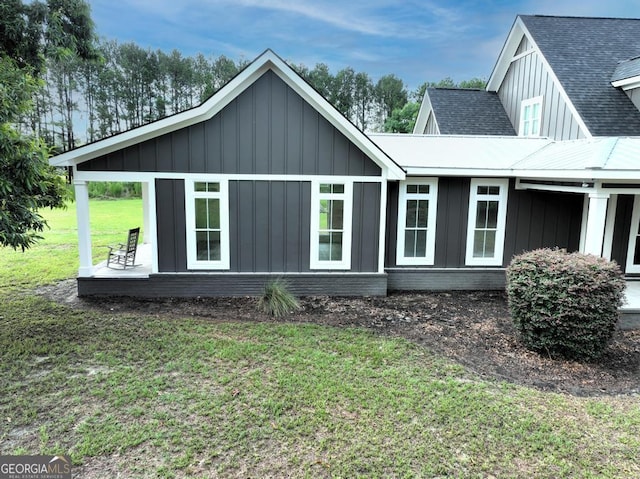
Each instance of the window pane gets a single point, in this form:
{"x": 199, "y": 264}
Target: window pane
{"x": 199, "y": 186}
{"x": 214, "y": 213}
{"x": 412, "y": 188}
{"x": 493, "y": 190}
{"x": 336, "y": 246}
{"x": 492, "y": 214}
{"x": 423, "y": 213}
{"x": 337, "y": 214}
{"x": 324, "y": 214}
{"x": 478, "y": 243}
{"x": 481, "y": 214}
{"x": 483, "y": 190}
{"x": 338, "y": 188}
{"x": 214, "y": 246}
{"x": 423, "y": 189}
{"x": 484, "y": 243}
{"x": 412, "y": 213}
{"x": 490, "y": 244}
{"x": 325, "y": 188}
{"x": 324, "y": 246}
{"x": 213, "y": 187}
{"x": 410, "y": 243}
{"x": 202, "y": 246}
{"x": 201, "y": 213}
{"x": 421, "y": 243}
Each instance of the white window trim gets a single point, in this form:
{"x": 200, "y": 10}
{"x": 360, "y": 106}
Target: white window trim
{"x": 432, "y": 197}
{"x": 526, "y": 103}
{"x": 497, "y": 258}
{"x": 190, "y": 213}
{"x": 347, "y": 197}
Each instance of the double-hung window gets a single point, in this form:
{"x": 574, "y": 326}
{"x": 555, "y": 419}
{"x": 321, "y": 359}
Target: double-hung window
{"x": 531, "y": 117}
{"x": 331, "y": 205}
{"x": 207, "y": 224}
{"x": 487, "y": 221}
{"x": 417, "y": 222}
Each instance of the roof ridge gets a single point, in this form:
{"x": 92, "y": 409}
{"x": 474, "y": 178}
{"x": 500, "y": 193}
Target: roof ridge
{"x": 577, "y": 17}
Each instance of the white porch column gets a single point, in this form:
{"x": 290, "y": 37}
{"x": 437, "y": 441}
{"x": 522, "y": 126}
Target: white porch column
{"x": 84, "y": 228}
{"x": 146, "y": 225}
{"x": 596, "y": 220}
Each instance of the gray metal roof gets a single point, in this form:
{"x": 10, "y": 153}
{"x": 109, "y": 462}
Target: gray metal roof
{"x": 584, "y": 53}
{"x": 627, "y": 69}
{"x": 469, "y": 112}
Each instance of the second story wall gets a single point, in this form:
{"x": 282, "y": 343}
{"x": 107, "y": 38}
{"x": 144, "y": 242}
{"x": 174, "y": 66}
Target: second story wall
{"x": 528, "y": 77}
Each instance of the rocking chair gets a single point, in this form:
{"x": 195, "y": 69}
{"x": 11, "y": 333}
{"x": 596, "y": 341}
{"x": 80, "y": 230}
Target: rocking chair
{"x": 124, "y": 255}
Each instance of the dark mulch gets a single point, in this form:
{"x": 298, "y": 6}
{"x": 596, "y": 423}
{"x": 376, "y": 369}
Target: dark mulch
{"x": 471, "y": 328}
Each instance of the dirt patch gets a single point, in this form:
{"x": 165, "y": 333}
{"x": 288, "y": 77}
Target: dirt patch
{"x": 471, "y": 328}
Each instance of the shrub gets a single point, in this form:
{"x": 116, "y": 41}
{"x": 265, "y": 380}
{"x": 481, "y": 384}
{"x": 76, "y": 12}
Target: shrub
{"x": 564, "y": 303}
{"x": 276, "y": 300}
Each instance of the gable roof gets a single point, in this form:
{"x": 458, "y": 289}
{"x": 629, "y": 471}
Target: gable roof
{"x": 268, "y": 61}
{"x": 583, "y": 54}
{"x": 469, "y": 112}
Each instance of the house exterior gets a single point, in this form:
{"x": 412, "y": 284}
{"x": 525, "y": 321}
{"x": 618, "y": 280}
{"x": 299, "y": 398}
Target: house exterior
{"x": 267, "y": 180}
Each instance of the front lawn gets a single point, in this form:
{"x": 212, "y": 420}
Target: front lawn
{"x": 153, "y": 395}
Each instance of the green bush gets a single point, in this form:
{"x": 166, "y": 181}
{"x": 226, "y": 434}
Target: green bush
{"x": 276, "y": 300}
{"x": 564, "y": 303}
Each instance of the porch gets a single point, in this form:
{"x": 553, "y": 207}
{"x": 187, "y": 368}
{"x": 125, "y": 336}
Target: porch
{"x": 142, "y": 267}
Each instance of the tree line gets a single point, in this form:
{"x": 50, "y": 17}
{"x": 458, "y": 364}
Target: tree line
{"x": 123, "y": 86}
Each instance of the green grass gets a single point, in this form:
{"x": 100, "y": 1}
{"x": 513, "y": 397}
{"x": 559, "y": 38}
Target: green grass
{"x": 56, "y": 257}
{"x": 140, "y": 396}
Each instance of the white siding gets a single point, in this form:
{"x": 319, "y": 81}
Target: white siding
{"x": 431, "y": 128}
{"x": 527, "y": 77}
{"x": 635, "y": 96}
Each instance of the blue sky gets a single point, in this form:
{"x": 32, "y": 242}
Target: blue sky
{"x": 418, "y": 40}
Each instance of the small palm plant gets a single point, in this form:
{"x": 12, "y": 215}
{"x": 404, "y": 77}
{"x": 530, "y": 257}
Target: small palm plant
{"x": 276, "y": 300}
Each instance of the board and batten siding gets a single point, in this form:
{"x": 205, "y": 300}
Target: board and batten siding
{"x": 269, "y": 226}
{"x": 527, "y": 77}
{"x": 622, "y": 229}
{"x": 431, "y": 127}
{"x": 267, "y": 129}
{"x": 535, "y": 219}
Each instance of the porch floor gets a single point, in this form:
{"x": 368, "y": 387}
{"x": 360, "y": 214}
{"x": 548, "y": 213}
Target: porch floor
{"x": 142, "y": 267}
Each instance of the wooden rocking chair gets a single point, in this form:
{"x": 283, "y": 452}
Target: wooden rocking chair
{"x": 124, "y": 255}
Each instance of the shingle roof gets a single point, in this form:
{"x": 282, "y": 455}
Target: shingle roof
{"x": 627, "y": 69}
{"x": 469, "y": 112}
{"x": 584, "y": 53}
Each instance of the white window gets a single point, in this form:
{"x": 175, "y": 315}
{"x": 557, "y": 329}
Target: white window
{"x": 417, "y": 207}
{"x": 331, "y": 205}
{"x": 531, "y": 117}
{"x": 207, "y": 217}
{"x": 487, "y": 220}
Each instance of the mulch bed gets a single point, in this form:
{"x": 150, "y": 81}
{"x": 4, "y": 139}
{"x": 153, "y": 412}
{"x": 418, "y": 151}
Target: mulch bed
{"x": 471, "y": 328}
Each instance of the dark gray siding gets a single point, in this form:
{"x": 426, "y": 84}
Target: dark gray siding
{"x": 269, "y": 226}
{"x": 622, "y": 229}
{"x": 366, "y": 227}
{"x": 540, "y": 219}
{"x": 172, "y": 249}
{"x": 535, "y": 219}
{"x": 451, "y": 223}
{"x": 267, "y": 129}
